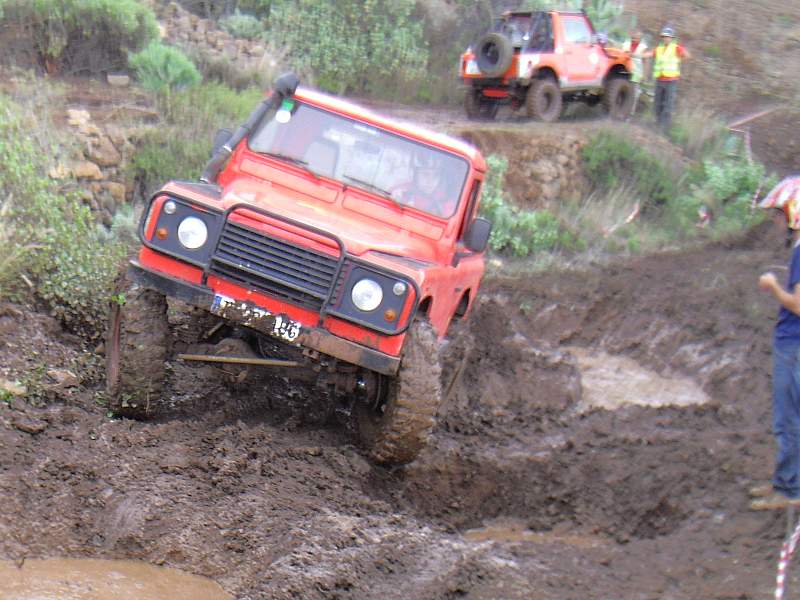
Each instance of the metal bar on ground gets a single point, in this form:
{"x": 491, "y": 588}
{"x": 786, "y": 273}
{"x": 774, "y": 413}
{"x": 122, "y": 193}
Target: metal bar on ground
{"x": 233, "y": 360}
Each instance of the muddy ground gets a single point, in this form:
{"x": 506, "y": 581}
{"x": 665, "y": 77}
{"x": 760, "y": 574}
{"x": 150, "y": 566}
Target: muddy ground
{"x": 519, "y": 495}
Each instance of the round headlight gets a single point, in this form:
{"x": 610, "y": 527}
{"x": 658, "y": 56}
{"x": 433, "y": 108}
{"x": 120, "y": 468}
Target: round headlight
{"x": 399, "y": 288}
{"x": 367, "y": 295}
{"x": 170, "y": 207}
{"x": 192, "y": 233}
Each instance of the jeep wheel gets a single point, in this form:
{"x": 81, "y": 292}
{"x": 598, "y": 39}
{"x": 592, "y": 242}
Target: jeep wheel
{"x": 619, "y": 97}
{"x": 543, "y": 100}
{"x": 493, "y": 53}
{"x": 397, "y": 429}
{"x": 136, "y": 349}
{"x": 478, "y": 107}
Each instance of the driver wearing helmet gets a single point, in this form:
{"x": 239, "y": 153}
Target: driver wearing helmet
{"x": 427, "y": 190}
{"x": 784, "y": 489}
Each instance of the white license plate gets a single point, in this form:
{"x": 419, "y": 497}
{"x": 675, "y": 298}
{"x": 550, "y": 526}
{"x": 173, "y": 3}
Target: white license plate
{"x": 279, "y": 326}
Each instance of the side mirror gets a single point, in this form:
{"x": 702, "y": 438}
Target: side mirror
{"x": 220, "y": 139}
{"x": 476, "y": 237}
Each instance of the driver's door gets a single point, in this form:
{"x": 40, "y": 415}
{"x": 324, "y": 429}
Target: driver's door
{"x": 581, "y": 56}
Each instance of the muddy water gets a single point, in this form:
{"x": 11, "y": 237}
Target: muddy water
{"x": 88, "y": 579}
{"x": 515, "y": 531}
{"x": 611, "y": 382}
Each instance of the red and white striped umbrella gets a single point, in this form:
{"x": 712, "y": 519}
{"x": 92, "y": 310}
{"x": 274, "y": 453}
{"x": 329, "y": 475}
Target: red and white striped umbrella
{"x": 786, "y": 196}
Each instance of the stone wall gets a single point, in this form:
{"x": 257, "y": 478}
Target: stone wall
{"x": 194, "y": 34}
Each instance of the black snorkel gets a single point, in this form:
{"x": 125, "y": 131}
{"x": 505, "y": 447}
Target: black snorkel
{"x": 283, "y": 87}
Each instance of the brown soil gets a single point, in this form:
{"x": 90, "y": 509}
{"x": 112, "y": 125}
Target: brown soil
{"x": 633, "y": 503}
{"x": 522, "y": 493}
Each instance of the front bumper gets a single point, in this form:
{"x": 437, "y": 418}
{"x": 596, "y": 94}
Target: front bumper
{"x": 315, "y": 338}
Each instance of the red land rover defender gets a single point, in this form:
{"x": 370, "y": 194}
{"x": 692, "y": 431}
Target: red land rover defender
{"x": 540, "y": 60}
{"x": 350, "y": 239}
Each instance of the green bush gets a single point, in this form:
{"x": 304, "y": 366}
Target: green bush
{"x": 516, "y": 231}
{"x": 162, "y": 69}
{"x": 726, "y": 189}
{"x": 242, "y": 26}
{"x": 83, "y": 35}
{"x": 182, "y": 146}
{"x": 353, "y": 46}
{"x": 52, "y": 250}
{"x": 611, "y": 161}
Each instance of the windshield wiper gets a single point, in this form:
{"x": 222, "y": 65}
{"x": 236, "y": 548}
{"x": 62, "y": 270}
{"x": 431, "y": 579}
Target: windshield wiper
{"x": 371, "y": 187}
{"x": 293, "y": 160}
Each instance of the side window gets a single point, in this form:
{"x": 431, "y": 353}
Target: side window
{"x": 542, "y": 33}
{"x": 576, "y": 31}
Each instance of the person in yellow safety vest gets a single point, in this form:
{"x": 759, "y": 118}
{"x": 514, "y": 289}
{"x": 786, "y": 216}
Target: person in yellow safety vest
{"x": 667, "y": 56}
{"x": 637, "y": 49}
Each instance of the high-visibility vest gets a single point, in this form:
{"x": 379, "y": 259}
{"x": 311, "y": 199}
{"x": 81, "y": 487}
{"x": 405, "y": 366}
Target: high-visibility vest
{"x": 667, "y": 63}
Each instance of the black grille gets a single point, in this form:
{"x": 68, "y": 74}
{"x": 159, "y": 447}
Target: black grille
{"x": 274, "y": 266}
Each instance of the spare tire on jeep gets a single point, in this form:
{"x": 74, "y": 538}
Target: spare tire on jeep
{"x": 493, "y": 53}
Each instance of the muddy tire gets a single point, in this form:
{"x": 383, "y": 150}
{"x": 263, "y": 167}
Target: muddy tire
{"x": 619, "y": 97}
{"x": 479, "y": 108}
{"x": 493, "y": 53}
{"x": 543, "y": 100}
{"x": 136, "y": 350}
{"x": 395, "y": 433}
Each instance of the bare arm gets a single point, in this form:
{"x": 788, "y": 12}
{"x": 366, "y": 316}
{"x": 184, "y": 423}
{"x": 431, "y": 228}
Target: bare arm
{"x": 789, "y": 300}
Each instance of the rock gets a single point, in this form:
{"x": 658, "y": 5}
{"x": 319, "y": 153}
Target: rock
{"x": 116, "y": 191}
{"x": 77, "y": 117}
{"x": 60, "y": 171}
{"x": 118, "y": 79}
{"x": 103, "y": 152}
{"x": 63, "y": 378}
{"x": 29, "y": 424}
{"x": 12, "y": 387}
{"x": 87, "y": 170}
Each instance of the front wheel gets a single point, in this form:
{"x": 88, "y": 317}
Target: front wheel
{"x": 396, "y": 427}
{"x": 136, "y": 349}
{"x": 619, "y": 98}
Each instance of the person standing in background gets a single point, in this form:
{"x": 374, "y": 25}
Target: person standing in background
{"x": 668, "y": 56}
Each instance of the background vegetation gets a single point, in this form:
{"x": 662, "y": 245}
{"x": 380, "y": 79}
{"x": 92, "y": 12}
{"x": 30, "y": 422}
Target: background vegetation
{"x": 52, "y": 251}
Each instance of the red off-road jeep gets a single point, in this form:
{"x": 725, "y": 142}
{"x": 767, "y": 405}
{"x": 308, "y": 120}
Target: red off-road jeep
{"x": 308, "y": 232}
{"x": 542, "y": 60}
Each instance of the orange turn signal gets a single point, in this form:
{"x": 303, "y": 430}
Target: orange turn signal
{"x": 390, "y": 315}
{"x": 162, "y": 233}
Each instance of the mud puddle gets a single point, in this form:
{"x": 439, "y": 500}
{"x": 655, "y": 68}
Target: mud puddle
{"x": 611, "y": 382}
{"x": 92, "y": 579}
{"x": 515, "y": 531}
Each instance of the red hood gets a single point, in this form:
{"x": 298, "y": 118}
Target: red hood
{"x": 387, "y": 229}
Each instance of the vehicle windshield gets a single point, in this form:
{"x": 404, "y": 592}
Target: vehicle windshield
{"x": 363, "y": 156}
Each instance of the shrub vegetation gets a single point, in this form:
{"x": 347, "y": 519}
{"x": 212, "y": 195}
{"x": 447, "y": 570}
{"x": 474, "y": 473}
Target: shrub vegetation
{"x": 353, "y": 46}
{"x": 52, "y": 250}
{"x": 89, "y": 36}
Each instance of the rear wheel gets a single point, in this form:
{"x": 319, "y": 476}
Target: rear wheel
{"x": 477, "y": 106}
{"x": 543, "y": 100}
{"x": 619, "y": 97}
{"x": 395, "y": 425}
{"x": 136, "y": 350}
